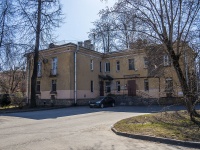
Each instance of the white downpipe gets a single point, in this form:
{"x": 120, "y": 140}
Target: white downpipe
{"x": 75, "y": 72}
{"x": 27, "y": 78}
{"x": 186, "y": 66}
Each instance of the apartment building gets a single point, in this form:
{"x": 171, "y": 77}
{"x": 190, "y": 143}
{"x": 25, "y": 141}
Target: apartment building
{"x": 73, "y": 74}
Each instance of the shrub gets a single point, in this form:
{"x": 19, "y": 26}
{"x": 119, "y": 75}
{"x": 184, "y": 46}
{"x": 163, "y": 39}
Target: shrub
{"x": 5, "y": 100}
{"x": 18, "y": 100}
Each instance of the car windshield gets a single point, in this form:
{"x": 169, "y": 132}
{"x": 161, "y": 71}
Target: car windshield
{"x": 99, "y": 98}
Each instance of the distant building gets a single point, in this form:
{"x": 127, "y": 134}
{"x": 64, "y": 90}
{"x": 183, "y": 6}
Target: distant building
{"x": 71, "y": 73}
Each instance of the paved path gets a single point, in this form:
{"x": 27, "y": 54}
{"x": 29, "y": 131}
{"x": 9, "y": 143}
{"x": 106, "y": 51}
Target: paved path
{"x": 75, "y": 128}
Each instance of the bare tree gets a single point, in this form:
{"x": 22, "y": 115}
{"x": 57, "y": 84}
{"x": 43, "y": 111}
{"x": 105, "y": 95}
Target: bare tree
{"x": 12, "y": 73}
{"x": 171, "y": 24}
{"x": 124, "y": 25}
{"x": 113, "y": 31}
{"x": 6, "y": 15}
{"x": 103, "y": 34}
{"x": 38, "y": 19}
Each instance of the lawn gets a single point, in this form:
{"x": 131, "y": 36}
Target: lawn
{"x": 174, "y": 125}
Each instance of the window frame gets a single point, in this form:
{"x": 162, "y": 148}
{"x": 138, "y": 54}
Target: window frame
{"x": 107, "y": 66}
{"x": 54, "y": 85}
{"x": 131, "y": 64}
{"x": 169, "y": 85}
{"x": 118, "y": 86}
{"x": 54, "y": 66}
{"x": 91, "y": 64}
{"x": 146, "y": 85}
{"x": 39, "y": 69}
{"x": 38, "y": 86}
{"x": 92, "y": 86}
{"x": 100, "y": 69}
{"x": 117, "y": 65}
{"x": 166, "y": 60}
{"x": 108, "y": 87}
{"x": 145, "y": 62}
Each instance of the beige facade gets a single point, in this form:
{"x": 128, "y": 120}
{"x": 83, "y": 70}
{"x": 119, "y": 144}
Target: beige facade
{"x": 71, "y": 72}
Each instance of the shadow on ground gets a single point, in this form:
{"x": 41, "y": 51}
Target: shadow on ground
{"x": 78, "y": 110}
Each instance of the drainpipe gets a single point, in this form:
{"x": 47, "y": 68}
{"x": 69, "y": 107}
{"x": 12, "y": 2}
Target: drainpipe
{"x": 27, "y": 78}
{"x": 186, "y": 66}
{"x": 75, "y": 72}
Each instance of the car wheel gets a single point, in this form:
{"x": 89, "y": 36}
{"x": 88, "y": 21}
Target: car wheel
{"x": 102, "y": 106}
{"x": 113, "y": 104}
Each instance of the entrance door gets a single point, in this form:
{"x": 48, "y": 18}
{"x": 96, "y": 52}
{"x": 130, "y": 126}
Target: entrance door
{"x": 101, "y": 88}
{"x": 131, "y": 88}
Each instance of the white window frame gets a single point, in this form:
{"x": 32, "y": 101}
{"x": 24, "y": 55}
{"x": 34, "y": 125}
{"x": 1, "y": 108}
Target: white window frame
{"x": 91, "y": 65}
{"x": 166, "y": 60}
{"x": 39, "y": 69}
{"x": 145, "y": 62}
{"x": 54, "y": 65}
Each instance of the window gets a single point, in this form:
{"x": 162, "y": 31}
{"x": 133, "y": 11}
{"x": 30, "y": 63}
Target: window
{"x": 108, "y": 87}
{"x": 91, "y": 86}
{"x": 166, "y": 60}
{"x": 39, "y": 69}
{"x": 54, "y": 66}
{"x": 107, "y": 67}
{"x": 146, "y": 84}
{"x": 117, "y": 65}
{"x": 131, "y": 64}
{"x": 38, "y": 86}
{"x": 145, "y": 62}
{"x": 91, "y": 65}
{"x": 100, "y": 66}
{"x": 53, "y": 85}
{"x": 169, "y": 85}
{"x": 118, "y": 86}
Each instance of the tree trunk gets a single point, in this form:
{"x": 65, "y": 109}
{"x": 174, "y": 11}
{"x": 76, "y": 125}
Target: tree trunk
{"x": 36, "y": 56}
{"x": 188, "y": 96}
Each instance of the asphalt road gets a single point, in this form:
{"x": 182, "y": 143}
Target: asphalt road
{"x": 75, "y": 128}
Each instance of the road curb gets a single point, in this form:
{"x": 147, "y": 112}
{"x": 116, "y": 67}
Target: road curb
{"x": 158, "y": 139}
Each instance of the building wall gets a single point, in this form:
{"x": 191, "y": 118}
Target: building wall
{"x": 86, "y": 74}
{"x": 66, "y": 71}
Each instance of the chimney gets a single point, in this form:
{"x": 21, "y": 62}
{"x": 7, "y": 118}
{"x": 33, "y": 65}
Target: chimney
{"x": 51, "y": 45}
{"x": 80, "y": 44}
{"x": 91, "y": 46}
{"x": 87, "y": 44}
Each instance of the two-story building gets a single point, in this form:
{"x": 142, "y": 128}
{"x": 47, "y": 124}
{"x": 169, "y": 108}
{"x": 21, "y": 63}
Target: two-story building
{"x": 73, "y": 74}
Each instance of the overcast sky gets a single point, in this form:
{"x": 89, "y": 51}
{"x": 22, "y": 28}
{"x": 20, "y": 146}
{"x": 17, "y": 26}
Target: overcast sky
{"x": 79, "y": 15}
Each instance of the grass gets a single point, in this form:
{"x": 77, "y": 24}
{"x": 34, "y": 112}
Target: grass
{"x": 174, "y": 125}
{"x": 8, "y": 107}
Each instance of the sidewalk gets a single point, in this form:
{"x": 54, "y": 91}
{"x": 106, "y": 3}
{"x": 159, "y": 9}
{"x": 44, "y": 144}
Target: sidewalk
{"x": 27, "y": 109}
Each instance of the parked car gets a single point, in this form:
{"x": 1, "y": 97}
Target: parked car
{"x": 102, "y": 102}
